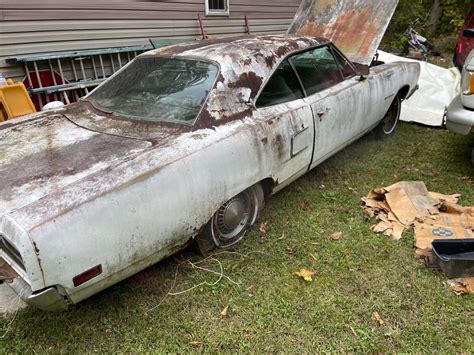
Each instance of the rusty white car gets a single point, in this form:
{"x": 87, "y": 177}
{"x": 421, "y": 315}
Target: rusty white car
{"x": 183, "y": 144}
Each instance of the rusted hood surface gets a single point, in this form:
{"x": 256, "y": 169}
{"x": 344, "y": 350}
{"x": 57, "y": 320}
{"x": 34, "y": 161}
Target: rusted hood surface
{"x": 42, "y": 155}
{"x": 355, "y": 26}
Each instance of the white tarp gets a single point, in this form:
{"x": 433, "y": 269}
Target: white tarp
{"x": 438, "y": 87}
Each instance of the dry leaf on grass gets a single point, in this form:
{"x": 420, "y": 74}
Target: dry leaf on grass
{"x": 195, "y": 342}
{"x": 224, "y": 311}
{"x": 305, "y": 206}
{"x": 462, "y": 286}
{"x": 306, "y": 274}
{"x": 313, "y": 256}
{"x": 376, "y": 318}
{"x": 336, "y": 236}
{"x": 263, "y": 229}
{"x": 282, "y": 236}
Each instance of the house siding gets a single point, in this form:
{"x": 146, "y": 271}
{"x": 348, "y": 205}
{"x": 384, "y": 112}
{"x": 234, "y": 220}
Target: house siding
{"x": 30, "y": 27}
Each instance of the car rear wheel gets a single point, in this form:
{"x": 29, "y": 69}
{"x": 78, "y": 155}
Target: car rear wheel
{"x": 387, "y": 126}
{"x": 232, "y": 220}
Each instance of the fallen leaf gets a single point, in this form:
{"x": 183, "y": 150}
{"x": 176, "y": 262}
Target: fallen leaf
{"x": 315, "y": 243}
{"x": 305, "y": 206}
{"x": 313, "y": 256}
{"x": 376, "y": 318}
{"x": 290, "y": 249}
{"x": 195, "y": 342}
{"x": 263, "y": 229}
{"x": 250, "y": 288}
{"x": 299, "y": 189}
{"x": 305, "y": 274}
{"x": 224, "y": 311}
{"x": 282, "y": 236}
{"x": 336, "y": 236}
{"x": 353, "y": 330}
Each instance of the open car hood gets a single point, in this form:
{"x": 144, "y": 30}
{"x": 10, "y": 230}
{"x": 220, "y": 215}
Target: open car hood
{"x": 355, "y": 26}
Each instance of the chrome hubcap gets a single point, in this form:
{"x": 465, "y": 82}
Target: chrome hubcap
{"x": 232, "y": 218}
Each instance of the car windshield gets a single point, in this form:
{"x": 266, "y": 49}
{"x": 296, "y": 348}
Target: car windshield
{"x": 157, "y": 89}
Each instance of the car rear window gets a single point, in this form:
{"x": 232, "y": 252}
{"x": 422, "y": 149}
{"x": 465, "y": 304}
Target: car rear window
{"x": 157, "y": 89}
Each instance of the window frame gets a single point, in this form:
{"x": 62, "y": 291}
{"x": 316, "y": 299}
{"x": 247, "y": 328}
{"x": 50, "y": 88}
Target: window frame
{"x": 303, "y": 91}
{"x": 212, "y": 12}
{"x": 332, "y": 49}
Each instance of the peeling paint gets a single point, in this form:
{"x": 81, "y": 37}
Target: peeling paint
{"x": 356, "y": 27}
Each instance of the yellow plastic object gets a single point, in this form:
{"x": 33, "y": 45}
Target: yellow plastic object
{"x": 14, "y": 101}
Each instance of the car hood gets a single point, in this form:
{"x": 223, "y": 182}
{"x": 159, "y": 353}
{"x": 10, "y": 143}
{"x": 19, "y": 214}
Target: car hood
{"x": 355, "y": 26}
{"x": 44, "y": 153}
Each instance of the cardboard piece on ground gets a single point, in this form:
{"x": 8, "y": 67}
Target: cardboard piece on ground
{"x": 433, "y": 216}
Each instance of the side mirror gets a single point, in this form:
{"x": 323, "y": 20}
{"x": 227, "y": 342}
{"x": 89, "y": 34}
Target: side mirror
{"x": 468, "y": 32}
{"x": 362, "y": 70}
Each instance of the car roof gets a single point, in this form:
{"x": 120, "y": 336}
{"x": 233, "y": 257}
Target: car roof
{"x": 246, "y": 62}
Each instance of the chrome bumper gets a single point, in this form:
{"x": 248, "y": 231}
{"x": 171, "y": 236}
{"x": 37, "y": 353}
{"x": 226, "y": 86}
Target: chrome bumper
{"x": 458, "y": 118}
{"x": 48, "y": 299}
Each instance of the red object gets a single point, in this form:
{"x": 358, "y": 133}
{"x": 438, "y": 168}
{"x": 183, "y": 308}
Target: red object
{"x": 201, "y": 26}
{"x": 46, "y": 80}
{"x": 465, "y": 44}
{"x": 87, "y": 275}
{"x": 247, "y": 27}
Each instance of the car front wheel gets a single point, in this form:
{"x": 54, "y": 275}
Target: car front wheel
{"x": 232, "y": 220}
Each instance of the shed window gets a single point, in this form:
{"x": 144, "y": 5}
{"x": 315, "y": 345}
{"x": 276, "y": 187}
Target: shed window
{"x": 217, "y": 7}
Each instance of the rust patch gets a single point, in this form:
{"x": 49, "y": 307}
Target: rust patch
{"x": 248, "y": 80}
{"x": 56, "y": 162}
{"x": 280, "y": 144}
{"x": 342, "y": 31}
{"x": 356, "y": 26}
{"x": 179, "y": 48}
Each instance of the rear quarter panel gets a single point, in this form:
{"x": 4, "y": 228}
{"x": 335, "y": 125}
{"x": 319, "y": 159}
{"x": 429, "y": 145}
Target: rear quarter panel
{"x": 153, "y": 214}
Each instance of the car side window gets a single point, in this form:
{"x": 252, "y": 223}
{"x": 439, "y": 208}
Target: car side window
{"x": 347, "y": 69}
{"x": 317, "y": 69}
{"x": 283, "y": 86}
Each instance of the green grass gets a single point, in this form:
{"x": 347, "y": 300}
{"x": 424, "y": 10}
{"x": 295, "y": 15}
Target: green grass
{"x": 273, "y": 310}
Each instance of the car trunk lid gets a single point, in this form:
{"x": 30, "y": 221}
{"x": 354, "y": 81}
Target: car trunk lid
{"x": 355, "y": 26}
{"x": 48, "y": 152}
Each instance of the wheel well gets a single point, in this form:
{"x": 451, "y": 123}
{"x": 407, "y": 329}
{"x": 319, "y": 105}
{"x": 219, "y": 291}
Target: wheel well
{"x": 268, "y": 185}
{"x": 404, "y": 92}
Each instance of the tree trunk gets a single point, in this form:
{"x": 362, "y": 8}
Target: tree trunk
{"x": 435, "y": 16}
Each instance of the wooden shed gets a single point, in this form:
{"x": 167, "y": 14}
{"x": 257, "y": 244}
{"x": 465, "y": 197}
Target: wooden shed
{"x": 46, "y": 26}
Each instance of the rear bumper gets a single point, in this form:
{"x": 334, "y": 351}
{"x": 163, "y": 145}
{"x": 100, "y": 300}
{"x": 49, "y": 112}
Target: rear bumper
{"x": 458, "y": 118}
{"x": 48, "y": 299}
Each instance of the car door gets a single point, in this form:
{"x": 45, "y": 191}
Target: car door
{"x": 337, "y": 97}
{"x": 289, "y": 125}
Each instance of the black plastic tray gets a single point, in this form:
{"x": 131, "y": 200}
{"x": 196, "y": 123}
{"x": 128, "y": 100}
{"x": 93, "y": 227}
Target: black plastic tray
{"x": 455, "y": 257}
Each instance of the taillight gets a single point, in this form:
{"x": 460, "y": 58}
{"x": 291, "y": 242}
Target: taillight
{"x": 87, "y": 275}
{"x": 471, "y": 85}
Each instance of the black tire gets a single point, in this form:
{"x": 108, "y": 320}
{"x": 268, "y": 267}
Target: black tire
{"x": 232, "y": 220}
{"x": 388, "y": 124}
